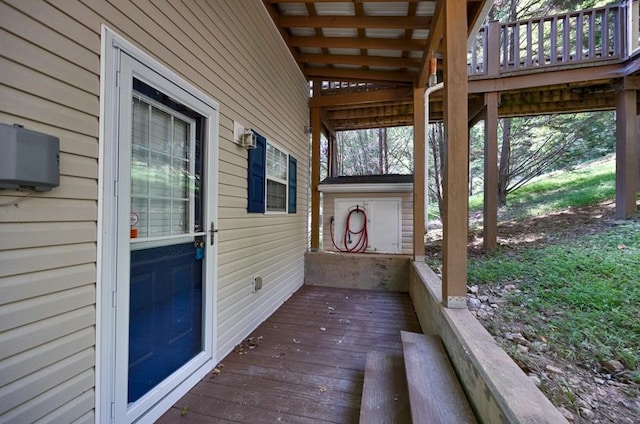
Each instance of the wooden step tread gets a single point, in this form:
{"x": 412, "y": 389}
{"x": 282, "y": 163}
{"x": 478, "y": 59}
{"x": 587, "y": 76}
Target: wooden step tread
{"x": 384, "y": 395}
{"x": 434, "y": 390}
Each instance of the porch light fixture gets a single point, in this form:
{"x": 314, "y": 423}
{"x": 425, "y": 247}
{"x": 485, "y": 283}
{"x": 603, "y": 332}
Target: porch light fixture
{"x": 433, "y": 69}
{"x": 248, "y": 139}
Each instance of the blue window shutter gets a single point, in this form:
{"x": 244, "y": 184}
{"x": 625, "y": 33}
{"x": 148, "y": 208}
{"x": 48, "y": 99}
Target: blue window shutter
{"x": 293, "y": 183}
{"x": 257, "y": 174}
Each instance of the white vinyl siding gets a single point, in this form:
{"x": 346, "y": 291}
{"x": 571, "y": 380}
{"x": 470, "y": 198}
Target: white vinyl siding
{"x": 50, "y": 61}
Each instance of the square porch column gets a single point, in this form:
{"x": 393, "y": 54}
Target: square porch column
{"x": 456, "y": 174}
{"x": 627, "y": 148}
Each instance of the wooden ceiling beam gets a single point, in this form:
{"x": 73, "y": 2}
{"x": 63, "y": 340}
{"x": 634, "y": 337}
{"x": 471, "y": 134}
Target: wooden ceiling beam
{"x": 388, "y": 22}
{"x": 555, "y": 107}
{"x": 394, "y": 62}
{"x": 363, "y": 97}
{"x": 371, "y": 112}
{"x": 358, "y": 75}
{"x": 408, "y": 33}
{"x": 544, "y": 79}
{"x": 366, "y": 123}
{"x": 357, "y": 43}
{"x": 383, "y": 104}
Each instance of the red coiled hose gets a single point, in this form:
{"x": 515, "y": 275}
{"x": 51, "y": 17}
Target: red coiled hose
{"x": 363, "y": 240}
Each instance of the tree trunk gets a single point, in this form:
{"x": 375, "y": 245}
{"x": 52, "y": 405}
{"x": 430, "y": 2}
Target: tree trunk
{"x": 385, "y": 147}
{"x": 380, "y": 152}
{"x": 436, "y": 144}
{"x": 505, "y": 156}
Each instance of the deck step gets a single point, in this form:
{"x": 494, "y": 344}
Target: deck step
{"x": 384, "y": 395}
{"x": 435, "y": 393}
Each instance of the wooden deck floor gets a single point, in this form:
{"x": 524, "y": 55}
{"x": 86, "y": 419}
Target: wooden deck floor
{"x": 305, "y": 364}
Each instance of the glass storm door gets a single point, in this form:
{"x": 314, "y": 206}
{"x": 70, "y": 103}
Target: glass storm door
{"x": 167, "y": 244}
{"x": 163, "y": 258}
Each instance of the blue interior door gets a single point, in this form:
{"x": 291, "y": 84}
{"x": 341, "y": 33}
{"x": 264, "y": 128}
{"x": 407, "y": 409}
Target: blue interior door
{"x": 167, "y": 240}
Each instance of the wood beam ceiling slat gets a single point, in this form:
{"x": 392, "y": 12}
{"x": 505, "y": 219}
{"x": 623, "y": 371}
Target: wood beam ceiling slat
{"x": 370, "y": 112}
{"x": 362, "y": 60}
{"x": 359, "y": 75}
{"x": 325, "y": 51}
{"x": 357, "y": 43}
{"x": 378, "y": 122}
{"x": 385, "y": 22}
{"x": 363, "y": 97}
{"x": 408, "y": 33}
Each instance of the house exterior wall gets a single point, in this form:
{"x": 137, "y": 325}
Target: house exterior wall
{"x": 328, "y": 205}
{"x": 50, "y": 82}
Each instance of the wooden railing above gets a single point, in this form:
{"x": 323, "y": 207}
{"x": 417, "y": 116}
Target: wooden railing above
{"x": 605, "y": 34}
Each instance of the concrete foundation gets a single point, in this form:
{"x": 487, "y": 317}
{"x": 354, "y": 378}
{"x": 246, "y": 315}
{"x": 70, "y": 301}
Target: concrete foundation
{"x": 497, "y": 388}
{"x": 357, "y": 270}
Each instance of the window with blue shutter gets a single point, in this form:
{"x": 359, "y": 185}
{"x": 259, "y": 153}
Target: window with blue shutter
{"x": 272, "y": 179}
{"x": 293, "y": 184}
{"x": 257, "y": 176}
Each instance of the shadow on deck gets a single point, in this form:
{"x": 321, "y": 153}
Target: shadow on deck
{"x": 305, "y": 364}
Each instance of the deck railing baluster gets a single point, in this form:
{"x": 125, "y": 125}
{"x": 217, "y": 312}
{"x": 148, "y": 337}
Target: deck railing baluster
{"x": 554, "y": 40}
{"x": 529, "y": 47}
{"x": 605, "y": 33}
{"x": 516, "y": 46}
{"x": 592, "y": 34}
{"x": 504, "y": 53}
{"x": 579, "y": 33}
{"x": 541, "y": 49}
{"x": 617, "y": 35}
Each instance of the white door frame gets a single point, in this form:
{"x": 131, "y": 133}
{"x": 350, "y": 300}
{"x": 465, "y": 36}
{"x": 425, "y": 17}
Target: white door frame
{"x": 111, "y": 400}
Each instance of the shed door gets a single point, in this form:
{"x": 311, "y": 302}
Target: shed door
{"x": 163, "y": 257}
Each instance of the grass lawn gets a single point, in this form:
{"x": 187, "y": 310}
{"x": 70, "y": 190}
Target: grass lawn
{"x": 584, "y": 186}
{"x": 582, "y": 295}
{"x": 582, "y": 292}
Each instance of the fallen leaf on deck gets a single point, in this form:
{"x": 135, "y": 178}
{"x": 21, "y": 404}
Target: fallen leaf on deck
{"x": 184, "y": 411}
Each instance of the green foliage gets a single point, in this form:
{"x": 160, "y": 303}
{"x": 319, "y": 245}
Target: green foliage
{"x": 583, "y": 295}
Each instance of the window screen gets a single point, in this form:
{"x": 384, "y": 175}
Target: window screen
{"x": 277, "y": 162}
{"x": 161, "y": 167}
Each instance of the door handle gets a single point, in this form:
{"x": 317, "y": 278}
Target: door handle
{"x": 213, "y": 231}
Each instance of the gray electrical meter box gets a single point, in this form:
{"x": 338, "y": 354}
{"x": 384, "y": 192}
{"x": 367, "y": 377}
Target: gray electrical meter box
{"x": 28, "y": 159}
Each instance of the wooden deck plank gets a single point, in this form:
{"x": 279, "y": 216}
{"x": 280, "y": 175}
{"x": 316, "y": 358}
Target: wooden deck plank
{"x": 435, "y": 392}
{"x": 385, "y": 397}
{"x": 308, "y": 366}
{"x": 333, "y": 339}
